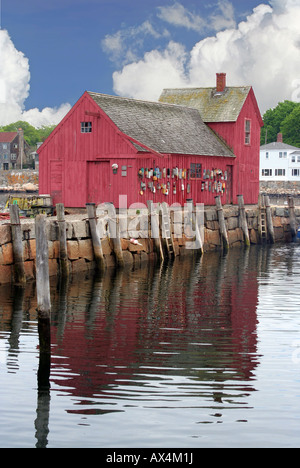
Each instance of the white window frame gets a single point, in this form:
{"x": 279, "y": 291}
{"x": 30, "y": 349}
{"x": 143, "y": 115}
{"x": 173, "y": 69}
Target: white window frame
{"x": 267, "y": 172}
{"x": 86, "y": 127}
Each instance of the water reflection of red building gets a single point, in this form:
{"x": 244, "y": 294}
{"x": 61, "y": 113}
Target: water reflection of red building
{"x": 187, "y": 318}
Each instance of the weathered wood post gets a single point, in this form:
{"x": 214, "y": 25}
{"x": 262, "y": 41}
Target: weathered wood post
{"x": 243, "y": 220}
{"x": 16, "y": 233}
{"x": 114, "y": 232}
{"x": 223, "y": 230}
{"x": 262, "y": 233}
{"x": 192, "y": 215}
{"x": 293, "y": 222}
{"x": 62, "y": 236}
{"x": 154, "y": 230}
{"x": 96, "y": 241}
{"x": 43, "y": 284}
{"x": 269, "y": 220}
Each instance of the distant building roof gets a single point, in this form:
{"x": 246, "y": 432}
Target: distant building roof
{"x": 7, "y": 137}
{"x": 277, "y": 145}
{"x": 162, "y": 127}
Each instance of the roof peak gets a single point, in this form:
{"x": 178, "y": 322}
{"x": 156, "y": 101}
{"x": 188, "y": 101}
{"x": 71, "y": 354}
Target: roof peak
{"x": 6, "y": 137}
{"x": 142, "y": 101}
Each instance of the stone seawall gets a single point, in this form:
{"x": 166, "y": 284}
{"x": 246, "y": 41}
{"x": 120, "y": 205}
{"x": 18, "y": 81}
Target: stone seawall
{"x": 80, "y": 247}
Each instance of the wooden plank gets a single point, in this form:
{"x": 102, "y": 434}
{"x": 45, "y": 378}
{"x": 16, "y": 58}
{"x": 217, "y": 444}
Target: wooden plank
{"x": 62, "y": 236}
{"x": 293, "y": 222}
{"x": 243, "y": 220}
{"x": 43, "y": 284}
{"x": 16, "y": 233}
{"x": 194, "y": 226}
{"x": 269, "y": 220}
{"x": 96, "y": 241}
{"x": 154, "y": 223}
{"x": 223, "y": 230}
{"x": 114, "y": 231}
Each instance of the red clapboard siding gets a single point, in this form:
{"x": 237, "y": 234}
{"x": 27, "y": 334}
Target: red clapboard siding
{"x": 246, "y": 171}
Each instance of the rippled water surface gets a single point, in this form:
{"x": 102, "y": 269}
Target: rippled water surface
{"x": 200, "y": 353}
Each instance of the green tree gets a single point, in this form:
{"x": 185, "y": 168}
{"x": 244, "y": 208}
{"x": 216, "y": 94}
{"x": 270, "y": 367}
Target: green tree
{"x": 45, "y": 131}
{"x": 273, "y": 119}
{"x": 290, "y": 127}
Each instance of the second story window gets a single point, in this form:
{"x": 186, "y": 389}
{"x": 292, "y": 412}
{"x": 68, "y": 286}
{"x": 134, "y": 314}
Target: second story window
{"x": 247, "y": 132}
{"x": 86, "y": 127}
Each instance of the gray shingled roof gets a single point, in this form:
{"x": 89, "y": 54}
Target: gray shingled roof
{"x": 162, "y": 127}
{"x": 213, "y": 106}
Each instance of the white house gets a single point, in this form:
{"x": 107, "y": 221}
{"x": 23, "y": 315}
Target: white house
{"x": 279, "y": 162}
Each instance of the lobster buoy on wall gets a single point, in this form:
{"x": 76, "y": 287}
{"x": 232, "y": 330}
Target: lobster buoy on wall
{"x": 135, "y": 242}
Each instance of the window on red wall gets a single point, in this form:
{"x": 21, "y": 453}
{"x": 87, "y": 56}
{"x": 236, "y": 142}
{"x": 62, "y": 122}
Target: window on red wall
{"x": 86, "y": 127}
{"x": 195, "y": 171}
{"x": 247, "y": 132}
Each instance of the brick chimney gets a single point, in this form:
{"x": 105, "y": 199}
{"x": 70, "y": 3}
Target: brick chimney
{"x": 221, "y": 82}
{"x": 279, "y": 138}
{"x": 21, "y": 147}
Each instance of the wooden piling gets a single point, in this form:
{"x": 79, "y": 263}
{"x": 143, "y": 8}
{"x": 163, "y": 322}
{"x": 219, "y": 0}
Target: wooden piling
{"x": 293, "y": 222}
{"x": 114, "y": 232}
{"x": 96, "y": 241}
{"x": 62, "y": 236}
{"x": 154, "y": 230}
{"x": 43, "y": 283}
{"x": 243, "y": 220}
{"x": 16, "y": 233}
{"x": 221, "y": 219}
{"x": 194, "y": 225}
{"x": 269, "y": 220}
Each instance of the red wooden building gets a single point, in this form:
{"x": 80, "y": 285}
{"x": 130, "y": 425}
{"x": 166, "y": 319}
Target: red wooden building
{"x": 109, "y": 146}
{"x": 233, "y": 114}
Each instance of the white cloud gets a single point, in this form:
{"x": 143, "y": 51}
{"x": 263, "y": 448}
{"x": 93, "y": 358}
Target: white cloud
{"x": 262, "y": 51}
{"x": 15, "y": 87}
{"x": 226, "y": 18}
{"x": 146, "y": 78}
{"x": 178, "y": 15}
{"x": 124, "y": 45}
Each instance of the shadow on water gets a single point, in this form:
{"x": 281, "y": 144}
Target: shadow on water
{"x": 192, "y": 321}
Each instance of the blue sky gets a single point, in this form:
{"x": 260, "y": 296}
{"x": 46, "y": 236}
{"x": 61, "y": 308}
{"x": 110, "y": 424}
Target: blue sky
{"x": 60, "y": 48}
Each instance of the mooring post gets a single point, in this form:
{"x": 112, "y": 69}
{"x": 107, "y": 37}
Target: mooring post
{"x": 16, "y": 234}
{"x": 62, "y": 235}
{"x": 269, "y": 220}
{"x": 42, "y": 283}
{"x": 293, "y": 222}
{"x": 154, "y": 230}
{"x": 243, "y": 220}
{"x": 96, "y": 241}
{"x": 192, "y": 215}
{"x": 114, "y": 232}
{"x": 223, "y": 230}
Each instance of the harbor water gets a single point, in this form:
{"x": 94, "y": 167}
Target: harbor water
{"x": 197, "y": 353}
